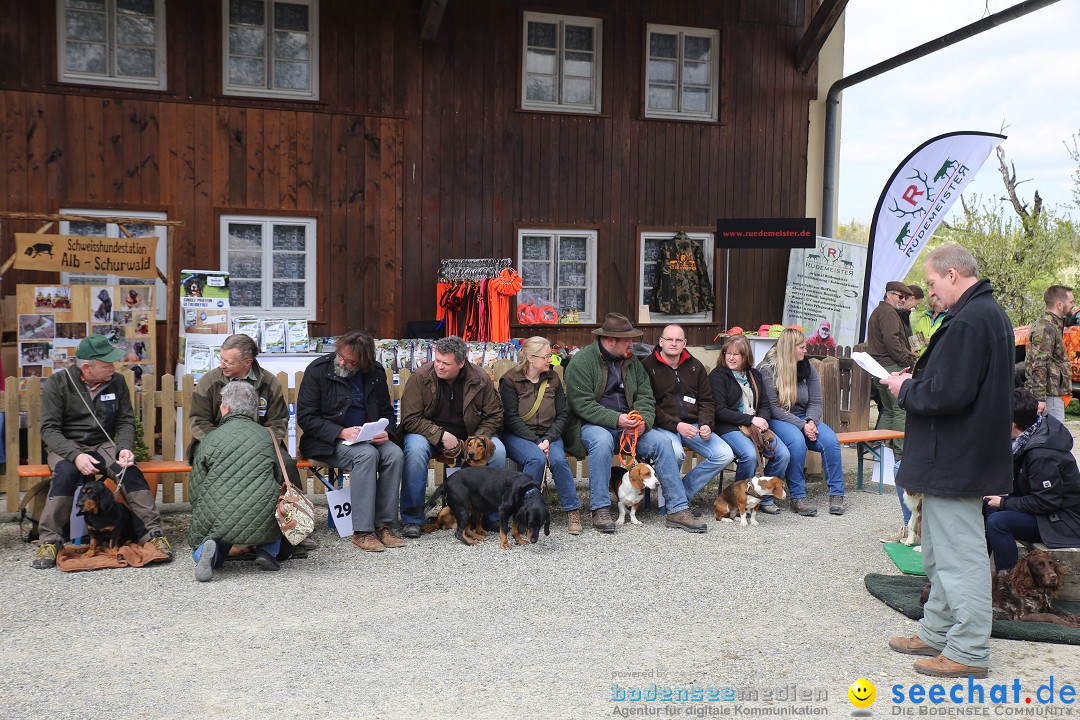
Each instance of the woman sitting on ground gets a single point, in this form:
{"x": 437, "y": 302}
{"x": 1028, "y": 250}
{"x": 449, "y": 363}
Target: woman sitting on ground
{"x": 739, "y": 393}
{"x": 794, "y": 391}
{"x": 534, "y": 416}
{"x": 1045, "y": 503}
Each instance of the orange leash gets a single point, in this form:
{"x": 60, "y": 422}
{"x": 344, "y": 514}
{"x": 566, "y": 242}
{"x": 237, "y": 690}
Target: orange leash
{"x": 628, "y": 442}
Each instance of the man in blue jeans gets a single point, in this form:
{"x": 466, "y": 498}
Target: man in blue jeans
{"x": 605, "y": 383}
{"x": 684, "y": 408}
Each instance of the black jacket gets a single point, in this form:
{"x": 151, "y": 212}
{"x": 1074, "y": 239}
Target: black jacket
{"x": 323, "y": 399}
{"x": 959, "y": 403}
{"x": 727, "y": 395}
{"x": 1046, "y": 484}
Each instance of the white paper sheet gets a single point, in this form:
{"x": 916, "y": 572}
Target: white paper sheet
{"x": 369, "y": 431}
{"x": 869, "y": 364}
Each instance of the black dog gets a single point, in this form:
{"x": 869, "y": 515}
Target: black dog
{"x": 110, "y": 523}
{"x": 104, "y": 311}
{"x": 475, "y": 490}
{"x": 531, "y": 516}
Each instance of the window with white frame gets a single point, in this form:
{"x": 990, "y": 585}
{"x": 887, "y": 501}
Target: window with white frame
{"x": 558, "y": 268}
{"x": 90, "y": 228}
{"x": 649, "y": 253}
{"x": 271, "y": 48}
{"x": 561, "y": 63}
{"x": 682, "y": 73}
{"x": 112, "y": 42}
{"x": 271, "y": 265}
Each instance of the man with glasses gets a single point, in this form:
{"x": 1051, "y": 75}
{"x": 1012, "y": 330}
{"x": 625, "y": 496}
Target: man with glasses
{"x": 684, "y": 408}
{"x": 887, "y": 342}
{"x": 238, "y": 364}
{"x": 340, "y": 392}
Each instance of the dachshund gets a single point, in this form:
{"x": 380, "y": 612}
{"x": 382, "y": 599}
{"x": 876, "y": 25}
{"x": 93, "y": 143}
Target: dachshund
{"x": 531, "y": 516}
{"x": 109, "y": 522}
{"x": 1024, "y": 593}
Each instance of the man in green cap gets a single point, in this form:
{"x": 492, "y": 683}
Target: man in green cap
{"x": 88, "y": 427}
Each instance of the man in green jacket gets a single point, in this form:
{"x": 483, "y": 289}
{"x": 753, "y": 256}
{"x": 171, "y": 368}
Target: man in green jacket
{"x": 88, "y": 427}
{"x": 604, "y": 383}
{"x": 1047, "y": 372}
{"x": 235, "y": 483}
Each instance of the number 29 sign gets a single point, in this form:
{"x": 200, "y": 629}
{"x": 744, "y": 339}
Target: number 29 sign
{"x": 339, "y": 504}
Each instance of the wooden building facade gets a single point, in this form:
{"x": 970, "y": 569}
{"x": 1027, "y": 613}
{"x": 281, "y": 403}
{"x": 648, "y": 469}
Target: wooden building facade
{"x": 399, "y": 151}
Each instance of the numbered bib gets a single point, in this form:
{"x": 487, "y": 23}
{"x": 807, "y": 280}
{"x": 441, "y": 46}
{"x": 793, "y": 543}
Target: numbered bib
{"x": 339, "y": 504}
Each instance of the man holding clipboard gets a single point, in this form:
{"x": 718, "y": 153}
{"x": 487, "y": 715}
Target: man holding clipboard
{"x": 342, "y": 392}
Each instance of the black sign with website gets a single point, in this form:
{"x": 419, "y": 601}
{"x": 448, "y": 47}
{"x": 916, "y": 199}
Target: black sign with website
{"x": 766, "y": 233}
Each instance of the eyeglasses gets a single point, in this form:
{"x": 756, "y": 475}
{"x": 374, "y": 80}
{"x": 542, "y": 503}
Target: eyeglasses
{"x": 677, "y": 341}
{"x": 541, "y": 357}
{"x": 733, "y": 354}
{"x": 346, "y": 362}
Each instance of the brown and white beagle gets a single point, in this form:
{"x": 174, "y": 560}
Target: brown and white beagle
{"x": 743, "y": 495}
{"x": 631, "y": 490}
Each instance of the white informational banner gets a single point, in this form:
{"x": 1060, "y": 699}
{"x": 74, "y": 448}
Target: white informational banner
{"x": 824, "y": 290}
{"x": 915, "y": 200}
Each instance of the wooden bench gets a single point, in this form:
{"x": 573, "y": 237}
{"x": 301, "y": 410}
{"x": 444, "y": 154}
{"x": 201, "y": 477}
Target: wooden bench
{"x": 869, "y": 441}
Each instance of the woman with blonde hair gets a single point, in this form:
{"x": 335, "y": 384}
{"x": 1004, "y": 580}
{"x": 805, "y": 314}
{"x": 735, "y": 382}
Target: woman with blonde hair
{"x": 534, "y": 416}
{"x": 794, "y": 391}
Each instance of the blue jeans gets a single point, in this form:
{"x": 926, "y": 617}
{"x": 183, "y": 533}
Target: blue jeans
{"x": 418, "y": 453}
{"x": 1003, "y": 529}
{"x": 653, "y": 446}
{"x": 223, "y": 548}
{"x": 903, "y": 505}
{"x": 717, "y": 456}
{"x": 797, "y": 444}
{"x": 531, "y": 460}
{"x": 746, "y": 456}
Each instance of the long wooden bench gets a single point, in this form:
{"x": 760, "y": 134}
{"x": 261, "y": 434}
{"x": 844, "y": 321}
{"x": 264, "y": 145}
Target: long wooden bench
{"x": 872, "y": 442}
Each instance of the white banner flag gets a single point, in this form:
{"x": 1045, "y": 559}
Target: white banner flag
{"x": 915, "y": 201}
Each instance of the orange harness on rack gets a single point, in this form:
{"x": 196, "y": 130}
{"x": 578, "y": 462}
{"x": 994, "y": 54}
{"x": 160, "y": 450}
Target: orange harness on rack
{"x": 628, "y": 442}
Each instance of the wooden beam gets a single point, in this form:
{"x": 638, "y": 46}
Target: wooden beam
{"x": 431, "y": 13}
{"x": 821, "y": 26}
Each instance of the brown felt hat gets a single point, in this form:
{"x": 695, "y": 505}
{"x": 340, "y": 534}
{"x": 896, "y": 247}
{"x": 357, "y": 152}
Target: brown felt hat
{"x": 897, "y": 286}
{"x": 619, "y": 326}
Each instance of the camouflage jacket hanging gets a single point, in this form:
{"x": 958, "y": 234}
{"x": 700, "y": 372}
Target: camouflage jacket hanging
{"x": 682, "y": 279}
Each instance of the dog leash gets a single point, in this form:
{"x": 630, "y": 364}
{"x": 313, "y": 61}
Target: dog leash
{"x": 628, "y": 442}
{"x": 123, "y": 470}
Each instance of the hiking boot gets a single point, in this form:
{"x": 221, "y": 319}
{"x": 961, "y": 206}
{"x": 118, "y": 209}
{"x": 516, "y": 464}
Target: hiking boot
{"x": 45, "y": 557}
{"x": 573, "y": 522}
{"x": 836, "y": 504}
{"x": 685, "y": 520}
{"x": 388, "y": 537}
{"x": 162, "y": 543}
{"x": 367, "y": 542}
{"x": 601, "y": 520}
{"x": 942, "y": 666}
{"x": 266, "y": 561}
{"x": 204, "y": 569}
{"x": 912, "y": 646}
{"x": 411, "y": 531}
{"x": 896, "y": 536}
{"x": 803, "y": 507}
{"x": 769, "y": 509}
{"x": 696, "y": 512}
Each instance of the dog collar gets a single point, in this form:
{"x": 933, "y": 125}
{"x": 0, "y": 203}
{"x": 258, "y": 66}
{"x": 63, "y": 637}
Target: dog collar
{"x": 529, "y": 492}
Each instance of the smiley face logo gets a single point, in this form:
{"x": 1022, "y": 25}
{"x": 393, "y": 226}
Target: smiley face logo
{"x": 862, "y": 693}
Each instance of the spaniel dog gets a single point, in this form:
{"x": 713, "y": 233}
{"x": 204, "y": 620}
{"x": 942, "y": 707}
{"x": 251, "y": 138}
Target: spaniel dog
{"x": 1024, "y": 593}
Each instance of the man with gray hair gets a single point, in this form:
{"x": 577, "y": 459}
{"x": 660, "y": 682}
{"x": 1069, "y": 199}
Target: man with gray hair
{"x": 958, "y": 400}
{"x": 238, "y": 363}
{"x": 235, "y": 484}
{"x": 88, "y": 427}
{"x": 445, "y": 401}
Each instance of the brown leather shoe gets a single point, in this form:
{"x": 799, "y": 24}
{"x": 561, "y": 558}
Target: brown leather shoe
{"x": 367, "y": 542}
{"x": 836, "y": 504}
{"x": 685, "y": 520}
{"x": 942, "y": 666}
{"x": 896, "y": 536}
{"x": 573, "y": 522}
{"x": 803, "y": 507}
{"x": 388, "y": 537}
{"x": 912, "y": 646}
{"x": 601, "y": 520}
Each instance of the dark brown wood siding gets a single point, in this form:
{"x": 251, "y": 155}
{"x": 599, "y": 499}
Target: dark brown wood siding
{"x": 417, "y": 151}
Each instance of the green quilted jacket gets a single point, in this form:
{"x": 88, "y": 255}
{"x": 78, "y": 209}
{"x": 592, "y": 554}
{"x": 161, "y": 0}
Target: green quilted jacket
{"x": 235, "y": 485}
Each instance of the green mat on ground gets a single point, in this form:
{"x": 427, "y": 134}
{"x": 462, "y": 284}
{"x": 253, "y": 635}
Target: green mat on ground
{"x": 901, "y": 593}
{"x": 905, "y": 558}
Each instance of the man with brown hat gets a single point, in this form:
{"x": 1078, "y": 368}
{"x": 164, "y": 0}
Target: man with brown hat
{"x": 88, "y": 427}
{"x": 605, "y": 383}
{"x": 888, "y": 343}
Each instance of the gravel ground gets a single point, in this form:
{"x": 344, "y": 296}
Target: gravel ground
{"x": 437, "y": 629}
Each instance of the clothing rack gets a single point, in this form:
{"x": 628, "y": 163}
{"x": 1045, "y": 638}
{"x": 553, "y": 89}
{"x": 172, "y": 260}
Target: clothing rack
{"x": 472, "y": 268}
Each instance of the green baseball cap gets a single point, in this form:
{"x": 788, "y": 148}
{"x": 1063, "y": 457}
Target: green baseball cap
{"x": 98, "y": 347}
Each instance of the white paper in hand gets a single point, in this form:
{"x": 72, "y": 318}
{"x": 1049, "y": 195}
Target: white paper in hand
{"x": 369, "y": 431}
{"x": 869, "y": 364}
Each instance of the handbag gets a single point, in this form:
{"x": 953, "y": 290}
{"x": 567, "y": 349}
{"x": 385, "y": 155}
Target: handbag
{"x": 295, "y": 513}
